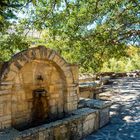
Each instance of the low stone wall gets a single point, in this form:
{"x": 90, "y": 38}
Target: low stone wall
{"x": 86, "y": 77}
{"x": 119, "y": 74}
{"x": 90, "y": 89}
{"x": 81, "y": 123}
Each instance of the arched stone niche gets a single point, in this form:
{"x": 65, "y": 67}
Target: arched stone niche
{"x": 38, "y": 86}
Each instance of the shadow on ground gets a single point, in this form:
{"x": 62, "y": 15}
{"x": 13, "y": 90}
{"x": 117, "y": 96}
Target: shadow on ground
{"x": 125, "y": 113}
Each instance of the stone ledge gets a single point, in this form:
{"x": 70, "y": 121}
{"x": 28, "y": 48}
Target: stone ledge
{"x": 83, "y": 111}
{"x": 102, "y": 106}
{"x": 94, "y": 103}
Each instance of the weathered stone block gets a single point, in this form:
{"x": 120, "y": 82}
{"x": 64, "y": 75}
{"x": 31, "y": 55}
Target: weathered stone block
{"x": 5, "y": 118}
{"x": 60, "y": 108}
{"x": 62, "y": 62}
{"x": 56, "y": 58}
{"x": 7, "y": 107}
{"x": 5, "y": 87}
{"x": 18, "y": 65}
{"x": 53, "y": 109}
{"x": 52, "y": 55}
{"x": 10, "y": 76}
{"x": 6, "y": 124}
{"x": 91, "y": 123}
{"x": 60, "y": 132}
{"x": 38, "y": 54}
{"x": 69, "y": 107}
{"x": 102, "y": 106}
{"x": 75, "y": 72}
{"x": 4, "y": 92}
{"x": 29, "y": 95}
{"x": 41, "y": 136}
{"x": 14, "y": 107}
{"x": 52, "y": 102}
{"x": 51, "y": 88}
{"x": 54, "y": 95}
{"x": 104, "y": 116}
{"x": 1, "y": 109}
{"x": 14, "y": 68}
{"x": 20, "y": 107}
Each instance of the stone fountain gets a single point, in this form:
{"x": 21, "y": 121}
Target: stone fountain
{"x": 39, "y": 99}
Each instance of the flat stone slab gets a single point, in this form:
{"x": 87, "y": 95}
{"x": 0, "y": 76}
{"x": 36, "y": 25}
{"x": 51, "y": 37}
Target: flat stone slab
{"x": 102, "y": 106}
{"x": 95, "y": 103}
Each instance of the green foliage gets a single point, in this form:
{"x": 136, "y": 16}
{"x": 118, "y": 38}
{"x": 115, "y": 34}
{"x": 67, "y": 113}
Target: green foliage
{"x": 93, "y": 33}
{"x": 9, "y": 10}
{"x": 11, "y": 42}
{"x": 124, "y": 64}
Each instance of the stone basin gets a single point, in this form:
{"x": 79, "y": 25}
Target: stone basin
{"x": 80, "y": 123}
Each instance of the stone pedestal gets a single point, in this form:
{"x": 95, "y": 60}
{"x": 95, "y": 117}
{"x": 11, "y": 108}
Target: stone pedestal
{"x": 101, "y": 106}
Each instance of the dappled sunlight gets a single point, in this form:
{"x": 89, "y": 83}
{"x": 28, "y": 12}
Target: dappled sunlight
{"x": 124, "y": 113}
{"x": 113, "y": 113}
{"x": 128, "y": 119}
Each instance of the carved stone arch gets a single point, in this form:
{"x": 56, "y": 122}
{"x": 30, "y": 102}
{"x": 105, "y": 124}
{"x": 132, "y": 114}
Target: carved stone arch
{"x": 20, "y": 59}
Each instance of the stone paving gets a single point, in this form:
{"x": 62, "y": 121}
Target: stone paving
{"x": 125, "y": 112}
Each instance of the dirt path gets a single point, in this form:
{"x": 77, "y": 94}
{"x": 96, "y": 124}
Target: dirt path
{"x": 125, "y": 113}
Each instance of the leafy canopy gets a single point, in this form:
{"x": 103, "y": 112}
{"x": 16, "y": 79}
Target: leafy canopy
{"x": 89, "y": 32}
